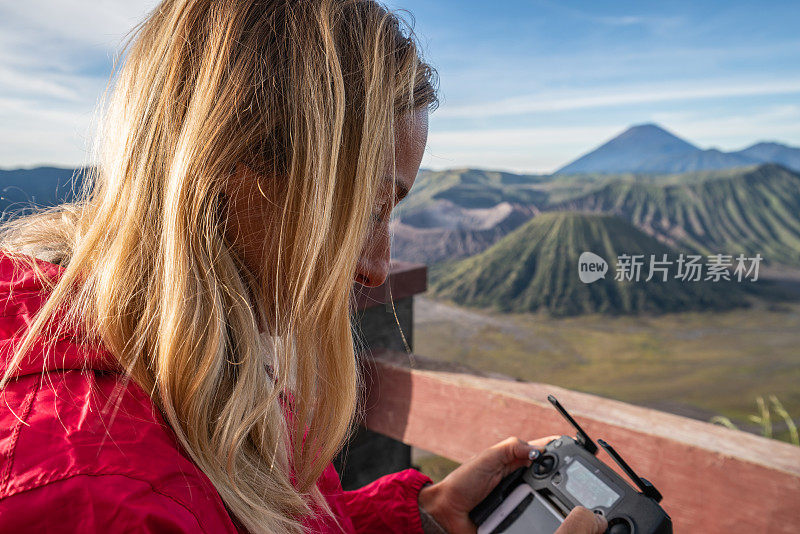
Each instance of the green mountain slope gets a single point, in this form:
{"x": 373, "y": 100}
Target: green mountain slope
{"x": 751, "y": 210}
{"x": 471, "y": 188}
{"x": 481, "y": 189}
{"x": 536, "y": 268}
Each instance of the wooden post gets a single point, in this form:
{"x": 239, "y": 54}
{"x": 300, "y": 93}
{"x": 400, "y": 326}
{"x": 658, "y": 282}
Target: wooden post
{"x": 379, "y": 325}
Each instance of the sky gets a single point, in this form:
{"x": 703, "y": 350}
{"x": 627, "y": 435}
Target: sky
{"x": 525, "y": 86}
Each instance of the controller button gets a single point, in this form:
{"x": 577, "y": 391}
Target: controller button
{"x": 557, "y": 443}
{"x": 557, "y": 478}
{"x": 619, "y": 525}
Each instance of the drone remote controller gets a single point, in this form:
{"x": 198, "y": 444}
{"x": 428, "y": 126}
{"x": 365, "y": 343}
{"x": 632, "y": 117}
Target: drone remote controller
{"x": 536, "y": 499}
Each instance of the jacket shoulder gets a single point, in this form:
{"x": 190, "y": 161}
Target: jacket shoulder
{"x": 93, "y": 435}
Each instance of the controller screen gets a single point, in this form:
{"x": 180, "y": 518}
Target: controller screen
{"x": 531, "y": 516}
{"x": 589, "y": 490}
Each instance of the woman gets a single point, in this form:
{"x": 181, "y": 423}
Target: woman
{"x": 178, "y": 355}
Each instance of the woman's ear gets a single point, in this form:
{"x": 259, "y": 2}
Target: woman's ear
{"x": 236, "y": 178}
{"x": 221, "y": 208}
{"x": 229, "y": 200}
{"x": 250, "y": 206}
{"x": 244, "y": 181}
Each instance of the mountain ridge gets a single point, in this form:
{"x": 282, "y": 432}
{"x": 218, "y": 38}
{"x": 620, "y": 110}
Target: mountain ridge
{"x": 751, "y": 211}
{"x": 535, "y": 268}
{"x": 650, "y": 148}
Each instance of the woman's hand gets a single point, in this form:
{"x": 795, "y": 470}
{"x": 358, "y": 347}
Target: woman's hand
{"x": 451, "y": 500}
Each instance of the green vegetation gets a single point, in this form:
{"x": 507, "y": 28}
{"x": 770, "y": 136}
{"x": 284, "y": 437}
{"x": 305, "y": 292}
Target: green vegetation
{"x": 536, "y": 268}
{"x": 436, "y": 467}
{"x": 751, "y": 210}
{"x": 478, "y": 188}
{"x": 699, "y": 350}
{"x": 764, "y": 419}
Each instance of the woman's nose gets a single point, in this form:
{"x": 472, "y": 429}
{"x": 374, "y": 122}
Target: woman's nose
{"x": 373, "y": 266}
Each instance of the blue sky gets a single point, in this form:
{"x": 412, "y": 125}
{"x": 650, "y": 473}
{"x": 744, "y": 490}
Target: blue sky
{"x": 525, "y": 86}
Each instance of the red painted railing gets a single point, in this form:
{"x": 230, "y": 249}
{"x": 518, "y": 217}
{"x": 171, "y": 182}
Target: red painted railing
{"x": 714, "y": 480}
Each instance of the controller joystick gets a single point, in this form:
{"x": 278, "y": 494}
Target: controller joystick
{"x": 544, "y": 465}
{"x": 619, "y": 525}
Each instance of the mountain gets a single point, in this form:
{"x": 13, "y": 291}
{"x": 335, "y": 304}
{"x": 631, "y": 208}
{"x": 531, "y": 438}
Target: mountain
{"x": 447, "y": 231}
{"x": 536, "y": 268}
{"x": 455, "y": 213}
{"x": 21, "y": 189}
{"x": 750, "y": 210}
{"x": 775, "y": 153}
{"x": 747, "y": 210}
{"x": 459, "y": 212}
{"x": 631, "y": 150}
{"x": 649, "y": 148}
{"x": 699, "y": 160}
{"x": 470, "y": 189}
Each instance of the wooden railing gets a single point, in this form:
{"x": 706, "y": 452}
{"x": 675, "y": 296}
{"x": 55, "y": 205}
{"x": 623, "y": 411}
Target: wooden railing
{"x": 714, "y": 480}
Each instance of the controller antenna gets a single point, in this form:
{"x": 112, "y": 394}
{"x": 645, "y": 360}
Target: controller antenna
{"x": 582, "y": 437}
{"x": 645, "y": 485}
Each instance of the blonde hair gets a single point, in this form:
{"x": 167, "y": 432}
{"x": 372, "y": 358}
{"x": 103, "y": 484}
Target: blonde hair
{"x": 304, "y": 90}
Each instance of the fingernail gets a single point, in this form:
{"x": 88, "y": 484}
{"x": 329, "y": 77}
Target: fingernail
{"x": 533, "y": 454}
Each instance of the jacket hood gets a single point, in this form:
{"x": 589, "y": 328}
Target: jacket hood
{"x": 22, "y": 294}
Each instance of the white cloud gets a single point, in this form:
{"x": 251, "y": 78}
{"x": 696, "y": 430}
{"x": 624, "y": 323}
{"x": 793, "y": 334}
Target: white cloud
{"x": 58, "y": 86}
{"x": 54, "y": 59}
{"x": 607, "y": 97}
{"x": 33, "y": 134}
{"x": 518, "y": 161}
{"x": 75, "y": 21}
{"x": 539, "y": 149}
{"x": 522, "y": 137}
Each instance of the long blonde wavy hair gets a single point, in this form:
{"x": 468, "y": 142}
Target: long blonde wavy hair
{"x": 304, "y": 90}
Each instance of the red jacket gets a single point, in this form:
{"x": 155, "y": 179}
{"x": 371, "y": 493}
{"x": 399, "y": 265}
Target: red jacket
{"x": 69, "y": 464}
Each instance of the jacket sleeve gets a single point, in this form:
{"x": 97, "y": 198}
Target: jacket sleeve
{"x": 388, "y": 505}
{"x": 97, "y": 504}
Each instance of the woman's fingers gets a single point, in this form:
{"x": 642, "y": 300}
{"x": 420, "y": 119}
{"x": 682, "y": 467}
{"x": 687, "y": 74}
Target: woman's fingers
{"x": 513, "y": 453}
{"x": 516, "y": 451}
{"x": 540, "y": 443}
{"x": 583, "y": 521}
{"x": 513, "y": 449}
